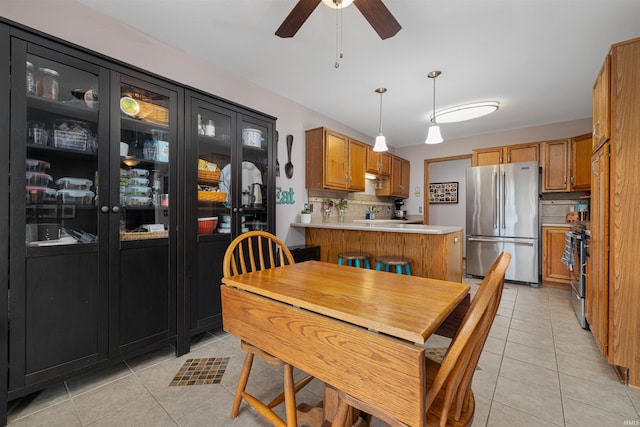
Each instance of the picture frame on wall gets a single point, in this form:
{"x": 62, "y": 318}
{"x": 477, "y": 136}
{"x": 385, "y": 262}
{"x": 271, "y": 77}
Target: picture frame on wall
{"x": 443, "y": 192}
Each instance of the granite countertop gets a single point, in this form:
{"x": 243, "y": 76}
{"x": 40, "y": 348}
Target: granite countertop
{"x": 391, "y": 226}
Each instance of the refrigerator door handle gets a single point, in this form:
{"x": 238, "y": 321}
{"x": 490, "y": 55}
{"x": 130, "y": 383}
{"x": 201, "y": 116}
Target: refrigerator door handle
{"x": 481, "y": 239}
{"x": 504, "y": 195}
{"x": 495, "y": 200}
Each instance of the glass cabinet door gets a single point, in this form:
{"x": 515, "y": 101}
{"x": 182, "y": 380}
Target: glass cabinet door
{"x": 144, "y": 163}
{"x": 254, "y": 144}
{"x": 61, "y": 165}
{"x": 213, "y": 128}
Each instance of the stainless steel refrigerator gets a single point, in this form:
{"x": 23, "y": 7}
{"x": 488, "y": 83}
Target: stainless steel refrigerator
{"x": 502, "y": 215}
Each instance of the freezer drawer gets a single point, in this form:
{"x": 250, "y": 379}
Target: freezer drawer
{"x": 482, "y": 252}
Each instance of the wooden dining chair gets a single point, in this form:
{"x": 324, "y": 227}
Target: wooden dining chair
{"x": 449, "y": 400}
{"x": 253, "y": 251}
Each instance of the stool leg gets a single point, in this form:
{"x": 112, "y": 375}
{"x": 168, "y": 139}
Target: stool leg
{"x": 367, "y": 264}
{"x": 399, "y": 269}
{"x": 386, "y": 267}
{"x": 349, "y": 262}
{"x": 407, "y": 269}
{"x": 378, "y": 266}
{"x": 357, "y": 263}
{"x": 340, "y": 261}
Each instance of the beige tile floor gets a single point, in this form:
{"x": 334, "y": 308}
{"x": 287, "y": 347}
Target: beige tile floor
{"x": 538, "y": 368}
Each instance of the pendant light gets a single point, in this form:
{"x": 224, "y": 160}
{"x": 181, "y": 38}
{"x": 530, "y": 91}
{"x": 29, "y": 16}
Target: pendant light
{"x": 381, "y": 141}
{"x": 434, "y": 136}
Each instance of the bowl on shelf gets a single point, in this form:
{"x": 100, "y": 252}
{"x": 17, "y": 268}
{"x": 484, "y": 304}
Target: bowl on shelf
{"x": 207, "y": 225}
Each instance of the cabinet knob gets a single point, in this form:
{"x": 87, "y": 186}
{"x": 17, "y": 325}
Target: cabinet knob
{"x": 115, "y": 209}
{"x": 235, "y": 209}
{"x": 104, "y": 209}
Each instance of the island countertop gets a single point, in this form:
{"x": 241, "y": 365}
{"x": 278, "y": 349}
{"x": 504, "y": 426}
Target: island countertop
{"x": 389, "y": 226}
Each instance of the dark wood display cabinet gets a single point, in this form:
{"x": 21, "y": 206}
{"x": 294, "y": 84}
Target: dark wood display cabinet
{"x": 124, "y": 191}
{"x": 92, "y": 265}
{"x": 230, "y": 178}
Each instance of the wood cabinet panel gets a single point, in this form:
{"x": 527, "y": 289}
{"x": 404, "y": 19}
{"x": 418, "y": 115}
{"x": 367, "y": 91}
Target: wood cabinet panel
{"x": 553, "y": 243}
{"x": 507, "y": 154}
{"x": 334, "y": 161}
{"x": 378, "y": 163}
{"x": 398, "y": 184}
{"x": 581, "y": 163}
{"x": 555, "y": 166}
{"x": 601, "y": 108}
{"x": 597, "y": 292}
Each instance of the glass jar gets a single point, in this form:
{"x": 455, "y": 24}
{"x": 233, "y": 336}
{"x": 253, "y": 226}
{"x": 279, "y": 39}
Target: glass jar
{"x": 48, "y": 85}
{"x": 31, "y": 79}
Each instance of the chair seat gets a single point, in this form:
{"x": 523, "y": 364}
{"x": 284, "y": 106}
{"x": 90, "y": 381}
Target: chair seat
{"x": 354, "y": 258}
{"x": 398, "y": 262}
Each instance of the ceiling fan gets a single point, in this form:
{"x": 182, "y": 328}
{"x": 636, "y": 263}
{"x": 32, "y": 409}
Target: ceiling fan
{"x": 374, "y": 11}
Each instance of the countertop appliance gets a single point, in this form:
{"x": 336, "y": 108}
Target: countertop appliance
{"x": 502, "y": 215}
{"x": 399, "y": 212}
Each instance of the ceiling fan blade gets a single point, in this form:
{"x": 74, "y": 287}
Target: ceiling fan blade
{"x": 379, "y": 17}
{"x": 298, "y": 15}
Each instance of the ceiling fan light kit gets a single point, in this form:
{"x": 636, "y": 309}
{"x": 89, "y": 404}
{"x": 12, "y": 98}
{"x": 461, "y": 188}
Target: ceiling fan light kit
{"x": 374, "y": 11}
{"x": 381, "y": 141}
{"x": 464, "y": 112}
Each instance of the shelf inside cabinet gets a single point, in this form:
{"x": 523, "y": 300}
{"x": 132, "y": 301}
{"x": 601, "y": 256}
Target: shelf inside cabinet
{"x": 75, "y": 110}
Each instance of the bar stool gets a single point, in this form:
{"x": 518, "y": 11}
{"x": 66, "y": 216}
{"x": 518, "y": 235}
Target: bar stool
{"x": 354, "y": 258}
{"x": 397, "y": 261}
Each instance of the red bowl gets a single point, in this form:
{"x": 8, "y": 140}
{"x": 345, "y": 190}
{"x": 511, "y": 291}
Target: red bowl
{"x": 207, "y": 225}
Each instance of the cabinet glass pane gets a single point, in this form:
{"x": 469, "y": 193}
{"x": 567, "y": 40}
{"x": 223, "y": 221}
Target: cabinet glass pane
{"x": 255, "y": 160}
{"x": 61, "y": 154}
{"x": 213, "y": 130}
{"x": 144, "y": 164}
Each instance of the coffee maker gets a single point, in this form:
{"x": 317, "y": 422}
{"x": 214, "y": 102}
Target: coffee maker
{"x": 399, "y": 213}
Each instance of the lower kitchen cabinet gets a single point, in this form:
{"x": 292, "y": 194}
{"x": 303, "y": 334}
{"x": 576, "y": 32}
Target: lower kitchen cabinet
{"x": 553, "y": 244}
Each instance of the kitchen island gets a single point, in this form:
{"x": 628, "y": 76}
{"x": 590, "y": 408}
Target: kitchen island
{"x": 435, "y": 251}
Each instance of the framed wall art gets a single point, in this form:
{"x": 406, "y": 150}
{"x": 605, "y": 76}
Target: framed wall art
{"x": 443, "y": 192}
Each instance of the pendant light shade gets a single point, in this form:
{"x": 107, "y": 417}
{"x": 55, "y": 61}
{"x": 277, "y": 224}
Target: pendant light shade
{"x": 381, "y": 141}
{"x": 433, "y": 135}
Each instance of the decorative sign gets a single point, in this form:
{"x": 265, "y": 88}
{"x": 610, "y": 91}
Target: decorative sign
{"x": 284, "y": 197}
{"x": 443, "y": 192}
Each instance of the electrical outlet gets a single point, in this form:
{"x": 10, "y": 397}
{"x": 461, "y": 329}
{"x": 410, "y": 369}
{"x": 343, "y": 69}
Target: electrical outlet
{"x": 306, "y": 206}
{"x": 420, "y": 209}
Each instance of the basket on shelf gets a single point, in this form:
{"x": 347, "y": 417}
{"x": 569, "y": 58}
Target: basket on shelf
{"x": 144, "y": 235}
{"x": 212, "y": 196}
{"x": 207, "y": 176}
{"x": 152, "y": 113}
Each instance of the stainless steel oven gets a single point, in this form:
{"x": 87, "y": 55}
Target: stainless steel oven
{"x": 578, "y": 275}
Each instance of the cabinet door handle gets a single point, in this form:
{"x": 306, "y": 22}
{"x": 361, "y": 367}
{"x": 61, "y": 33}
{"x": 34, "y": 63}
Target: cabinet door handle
{"x": 104, "y": 209}
{"x": 595, "y": 126}
{"x": 115, "y": 209}
{"x": 565, "y": 179}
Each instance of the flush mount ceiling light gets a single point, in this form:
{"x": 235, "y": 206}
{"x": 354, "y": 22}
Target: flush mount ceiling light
{"x": 465, "y": 112}
{"x": 434, "y": 136}
{"x": 381, "y": 141}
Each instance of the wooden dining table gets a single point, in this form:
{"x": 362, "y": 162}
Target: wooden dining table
{"x": 358, "y": 330}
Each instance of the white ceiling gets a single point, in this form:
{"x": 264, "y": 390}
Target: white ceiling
{"x": 539, "y": 58}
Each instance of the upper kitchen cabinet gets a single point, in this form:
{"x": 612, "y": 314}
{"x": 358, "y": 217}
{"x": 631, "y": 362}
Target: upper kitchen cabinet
{"x": 566, "y": 164}
{"x": 398, "y": 184}
{"x": 508, "y": 154}
{"x": 602, "y": 105}
{"x": 334, "y": 161}
{"x": 378, "y": 163}
{"x": 555, "y": 166}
